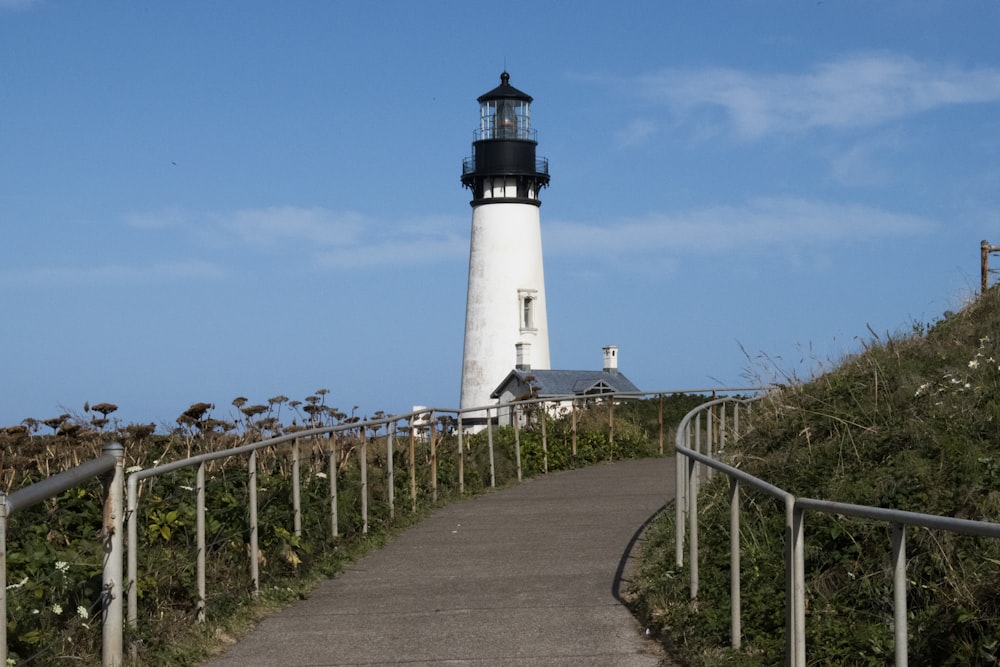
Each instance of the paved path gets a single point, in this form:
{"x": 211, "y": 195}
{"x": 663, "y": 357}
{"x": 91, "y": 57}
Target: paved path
{"x": 523, "y": 577}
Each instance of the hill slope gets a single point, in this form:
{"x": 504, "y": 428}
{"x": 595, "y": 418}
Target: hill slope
{"x": 911, "y": 423}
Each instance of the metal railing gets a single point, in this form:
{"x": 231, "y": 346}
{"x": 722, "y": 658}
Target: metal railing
{"x": 110, "y": 466}
{"x": 123, "y": 503}
{"x": 424, "y": 417}
{"x": 688, "y": 444}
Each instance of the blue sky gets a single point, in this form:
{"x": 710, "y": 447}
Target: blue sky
{"x": 205, "y": 200}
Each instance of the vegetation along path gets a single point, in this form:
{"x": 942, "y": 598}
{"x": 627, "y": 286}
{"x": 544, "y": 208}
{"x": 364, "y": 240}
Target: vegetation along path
{"x": 530, "y": 575}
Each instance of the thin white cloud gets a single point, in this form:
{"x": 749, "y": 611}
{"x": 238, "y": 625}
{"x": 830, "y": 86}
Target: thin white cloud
{"x": 864, "y": 162}
{"x": 17, "y": 4}
{"x": 322, "y": 238}
{"x": 325, "y": 240}
{"x": 855, "y": 91}
{"x": 111, "y": 274}
{"x": 635, "y": 133}
{"x": 393, "y": 254}
{"x": 268, "y": 227}
{"x": 762, "y": 226}
{"x": 164, "y": 219}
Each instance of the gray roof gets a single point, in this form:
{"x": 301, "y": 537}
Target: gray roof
{"x": 564, "y": 383}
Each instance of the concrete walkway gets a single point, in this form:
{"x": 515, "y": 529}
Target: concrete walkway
{"x": 527, "y": 576}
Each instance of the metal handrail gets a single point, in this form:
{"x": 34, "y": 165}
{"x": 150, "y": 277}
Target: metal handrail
{"x": 122, "y": 507}
{"x": 686, "y": 502}
{"x": 111, "y": 461}
{"x": 250, "y": 449}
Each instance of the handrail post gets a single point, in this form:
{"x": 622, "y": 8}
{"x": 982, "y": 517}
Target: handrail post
{"x": 334, "y": 512}
{"x": 252, "y": 500}
{"x": 363, "y": 455}
{"x": 680, "y": 494}
{"x": 461, "y": 459}
{"x": 413, "y": 464}
{"x": 798, "y": 586}
{"x": 736, "y": 423}
{"x": 132, "y": 556}
{"x": 515, "y": 414}
{"x": 389, "y": 478}
{"x": 3, "y": 578}
{"x": 573, "y": 425}
{"x": 296, "y": 490}
{"x": 712, "y": 437}
{"x": 545, "y": 442}
{"x": 434, "y": 460}
{"x": 900, "y": 631}
{"x": 692, "y": 498}
{"x": 114, "y": 547}
{"x": 697, "y": 433}
{"x": 659, "y": 418}
{"x": 611, "y": 428}
{"x": 722, "y": 429}
{"x": 200, "y": 530}
{"x": 489, "y": 442}
{"x": 736, "y": 610}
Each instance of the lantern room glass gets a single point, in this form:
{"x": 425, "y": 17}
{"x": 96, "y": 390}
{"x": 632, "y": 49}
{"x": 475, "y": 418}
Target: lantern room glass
{"x": 505, "y": 119}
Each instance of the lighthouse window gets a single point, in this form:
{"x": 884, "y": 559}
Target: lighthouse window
{"x": 505, "y": 119}
{"x": 527, "y": 299}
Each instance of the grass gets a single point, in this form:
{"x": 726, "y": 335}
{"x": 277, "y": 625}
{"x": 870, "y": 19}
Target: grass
{"x": 910, "y": 422}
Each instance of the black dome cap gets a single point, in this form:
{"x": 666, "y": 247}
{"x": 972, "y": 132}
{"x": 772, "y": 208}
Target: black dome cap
{"x": 504, "y": 91}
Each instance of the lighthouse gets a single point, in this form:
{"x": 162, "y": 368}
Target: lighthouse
{"x": 505, "y": 322}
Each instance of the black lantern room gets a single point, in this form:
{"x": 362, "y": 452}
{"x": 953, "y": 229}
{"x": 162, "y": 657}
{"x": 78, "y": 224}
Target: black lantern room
{"x": 503, "y": 167}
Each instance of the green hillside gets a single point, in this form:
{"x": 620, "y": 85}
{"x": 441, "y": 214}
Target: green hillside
{"x": 909, "y": 423}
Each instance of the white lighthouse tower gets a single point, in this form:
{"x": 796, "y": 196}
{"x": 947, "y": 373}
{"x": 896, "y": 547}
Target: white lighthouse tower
{"x": 505, "y": 322}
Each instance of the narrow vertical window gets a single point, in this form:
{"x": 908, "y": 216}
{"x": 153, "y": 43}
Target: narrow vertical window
{"x": 526, "y": 301}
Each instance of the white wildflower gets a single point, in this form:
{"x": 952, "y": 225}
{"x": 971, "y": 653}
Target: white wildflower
{"x": 56, "y": 608}
{"x": 82, "y": 612}
{"x": 974, "y": 363}
{"x": 967, "y": 386}
{"x": 62, "y": 566}
{"x": 321, "y": 475}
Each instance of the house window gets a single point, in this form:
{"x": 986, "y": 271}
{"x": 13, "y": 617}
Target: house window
{"x": 526, "y": 299}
